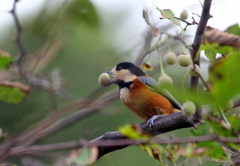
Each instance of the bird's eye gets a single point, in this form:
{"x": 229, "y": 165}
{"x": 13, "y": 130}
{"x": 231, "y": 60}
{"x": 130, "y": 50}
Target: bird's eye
{"x": 119, "y": 68}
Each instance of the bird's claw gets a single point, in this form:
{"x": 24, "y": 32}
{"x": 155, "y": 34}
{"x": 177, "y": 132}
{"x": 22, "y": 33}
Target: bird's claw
{"x": 150, "y": 122}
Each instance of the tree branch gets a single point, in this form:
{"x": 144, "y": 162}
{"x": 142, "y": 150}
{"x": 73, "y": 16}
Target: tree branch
{"x": 112, "y": 141}
{"x": 168, "y": 123}
{"x": 23, "y": 50}
{"x": 55, "y": 121}
{"x": 24, "y": 150}
{"x": 198, "y": 38}
{"x": 162, "y": 125}
{"x": 126, "y": 141}
{"x": 36, "y": 149}
{"x": 34, "y": 81}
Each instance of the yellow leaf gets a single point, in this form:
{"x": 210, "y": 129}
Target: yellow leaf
{"x": 147, "y": 66}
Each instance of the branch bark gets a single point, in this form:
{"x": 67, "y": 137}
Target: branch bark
{"x": 162, "y": 125}
{"x": 198, "y": 38}
{"x": 39, "y": 149}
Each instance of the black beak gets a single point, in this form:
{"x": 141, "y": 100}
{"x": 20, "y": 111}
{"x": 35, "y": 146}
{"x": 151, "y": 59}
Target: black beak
{"x": 109, "y": 72}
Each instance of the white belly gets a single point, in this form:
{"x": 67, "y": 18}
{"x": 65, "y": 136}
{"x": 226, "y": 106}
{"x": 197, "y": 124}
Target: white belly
{"x": 124, "y": 93}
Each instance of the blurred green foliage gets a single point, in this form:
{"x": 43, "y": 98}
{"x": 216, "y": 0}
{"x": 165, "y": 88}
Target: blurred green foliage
{"x": 69, "y": 39}
{"x": 234, "y": 29}
{"x": 11, "y": 94}
{"x": 5, "y": 60}
{"x": 224, "y": 85}
{"x": 83, "y": 54}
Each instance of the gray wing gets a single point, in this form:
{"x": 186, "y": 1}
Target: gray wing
{"x": 154, "y": 85}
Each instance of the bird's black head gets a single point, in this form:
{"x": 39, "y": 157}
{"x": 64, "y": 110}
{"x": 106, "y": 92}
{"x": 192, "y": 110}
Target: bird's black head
{"x": 135, "y": 70}
{"x": 125, "y": 72}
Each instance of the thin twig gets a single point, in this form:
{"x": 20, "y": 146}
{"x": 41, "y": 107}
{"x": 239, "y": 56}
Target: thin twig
{"x": 161, "y": 44}
{"x": 34, "y": 81}
{"x": 188, "y": 23}
{"x": 23, "y": 50}
{"x": 58, "y": 120}
{"x": 22, "y": 150}
{"x": 203, "y": 81}
{"x": 127, "y": 141}
{"x": 177, "y": 37}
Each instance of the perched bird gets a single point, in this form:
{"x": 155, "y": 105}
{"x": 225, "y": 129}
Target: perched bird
{"x": 137, "y": 92}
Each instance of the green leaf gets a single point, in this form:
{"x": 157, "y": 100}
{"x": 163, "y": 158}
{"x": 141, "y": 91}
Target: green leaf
{"x": 191, "y": 151}
{"x": 152, "y": 149}
{"x": 168, "y": 14}
{"x": 233, "y": 145}
{"x": 131, "y": 131}
{"x": 211, "y": 55}
{"x": 218, "y": 126}
{"x": 235, "y": 122}
{"x": 146, "y": 17}
{"x": 188, "y": 152}
{"x": 201, "y": 130}
{"x": 224, "y": 78}
{"x": 234, "y": 29}
{"x": 172, "y": 154}
{"x": 212, "y": 49}
{"x": 224, "y": 49}
{"x": 5, "y": 59}
{"x": 13, "y": 93}
{"x": 87, "y": 156}
{"x": 215, "y": 150}
{"x": 155, "y": 151}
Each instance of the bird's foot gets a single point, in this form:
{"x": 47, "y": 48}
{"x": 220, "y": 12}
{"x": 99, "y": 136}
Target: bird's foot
{"x": 150, "y": 122}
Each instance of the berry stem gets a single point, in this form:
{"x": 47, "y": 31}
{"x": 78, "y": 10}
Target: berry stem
{"x": 169, "y": 49}
{"x": 183, "y": 50}
{"x": 161, "y": 63}
{"x": 149, "y": 58}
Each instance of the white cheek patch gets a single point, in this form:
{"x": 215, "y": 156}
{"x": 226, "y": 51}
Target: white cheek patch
{"x": 129, "y": 78}
{"x": 124, "y": 92}
{"x": 123, "y": 75}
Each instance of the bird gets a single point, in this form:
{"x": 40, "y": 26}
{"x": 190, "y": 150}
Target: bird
{"x": 138, "y": 92}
